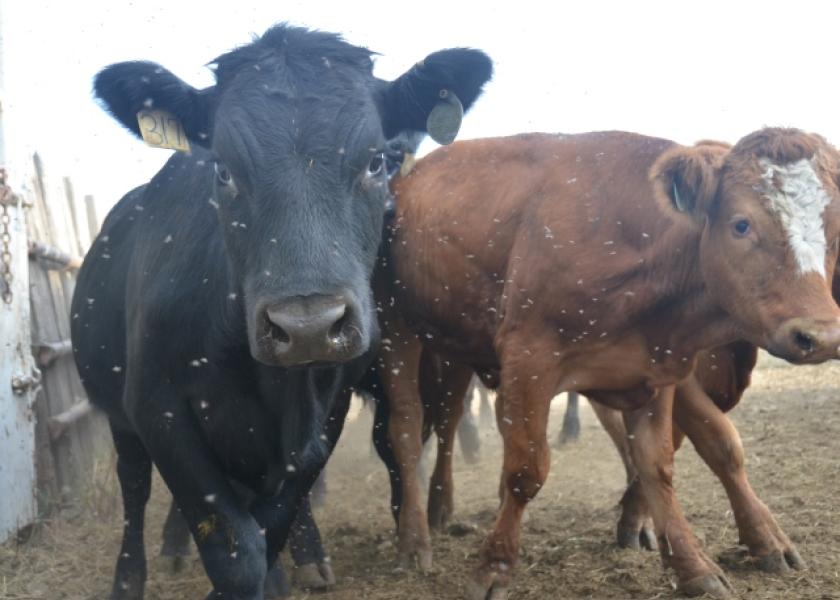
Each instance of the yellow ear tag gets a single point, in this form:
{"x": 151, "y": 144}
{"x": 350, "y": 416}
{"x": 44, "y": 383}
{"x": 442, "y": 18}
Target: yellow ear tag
{"x": 162, "y": 130}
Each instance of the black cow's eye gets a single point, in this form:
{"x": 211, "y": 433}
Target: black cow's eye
{"x": 741, "y": 227}
{"x": 222, "y": 174}
{"x": 376, "y": 165}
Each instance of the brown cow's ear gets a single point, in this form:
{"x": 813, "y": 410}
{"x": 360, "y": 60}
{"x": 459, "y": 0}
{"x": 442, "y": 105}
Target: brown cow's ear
{"x": 685, "y": 180}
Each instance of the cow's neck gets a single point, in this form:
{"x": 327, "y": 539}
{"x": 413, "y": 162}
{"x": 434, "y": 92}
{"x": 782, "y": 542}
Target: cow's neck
{"x": 692, "y": 319}
{"x": 658, "y": 315}
{"x": 298, "y": 403}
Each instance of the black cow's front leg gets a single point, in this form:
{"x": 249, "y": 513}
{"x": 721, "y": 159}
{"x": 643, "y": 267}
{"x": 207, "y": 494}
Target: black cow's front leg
{"x": 318, "y": 494}
{"x": 134, "y": 469}
{"x": 176, "y": 546}
{"x": 312, "y": 565}
{"x": 277, "y": 514}
{"x": 231, "y": 543}
{"x": 383, "y": 447}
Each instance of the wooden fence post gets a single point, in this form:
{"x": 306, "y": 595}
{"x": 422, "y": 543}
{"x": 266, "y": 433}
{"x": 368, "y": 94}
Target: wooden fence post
{"x": 92, "y": 217}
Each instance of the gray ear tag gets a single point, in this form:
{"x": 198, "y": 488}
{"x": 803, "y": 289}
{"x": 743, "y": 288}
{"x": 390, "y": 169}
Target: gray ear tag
{"x": 444, "y": 121}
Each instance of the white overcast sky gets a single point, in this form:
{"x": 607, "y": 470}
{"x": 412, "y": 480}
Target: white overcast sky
{"x": 682, "y": 70}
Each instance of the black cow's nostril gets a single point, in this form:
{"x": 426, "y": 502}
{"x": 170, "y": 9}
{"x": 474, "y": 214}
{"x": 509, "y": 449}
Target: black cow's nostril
{"x": 336, "y": 332}
{"x": 307, "y": 320}
{"x": 804, "y": 342}
{"x": 305, "y": 329}
{"x": 277, "y": 333}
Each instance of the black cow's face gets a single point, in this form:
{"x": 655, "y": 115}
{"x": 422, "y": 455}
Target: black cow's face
{"x": 297, "y": 125}
{"x": 301, "y": 185}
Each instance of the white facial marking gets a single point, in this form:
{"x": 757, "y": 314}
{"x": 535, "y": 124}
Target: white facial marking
{"x": 799, "y": 205}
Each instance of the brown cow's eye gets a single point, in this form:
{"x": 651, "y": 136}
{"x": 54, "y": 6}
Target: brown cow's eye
{"x": 741, "y": 227}
{"x": 376, "y": 165}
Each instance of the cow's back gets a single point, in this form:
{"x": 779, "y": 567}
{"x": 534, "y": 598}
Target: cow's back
{"x": 480, "y": 221}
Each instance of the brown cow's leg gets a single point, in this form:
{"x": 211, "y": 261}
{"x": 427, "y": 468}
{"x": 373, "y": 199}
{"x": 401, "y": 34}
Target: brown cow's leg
{"x": 635, "y": 527}
{"x": 468, "y": 436}
{"x": 652, "y": 450}
{"x": 570, "y": 432}
{"x": 485, "y": 411}
{"x": 454, "y": 381}
{"x": 399, "y": 371}
{"x": 613, "y": 424}
{"x": 523, "y": 402}
{"x": 718, "y": 443}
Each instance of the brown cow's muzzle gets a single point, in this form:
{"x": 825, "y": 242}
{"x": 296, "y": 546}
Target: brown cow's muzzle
{"x": 307, "y": 329}
{"x": 807, "y": 340}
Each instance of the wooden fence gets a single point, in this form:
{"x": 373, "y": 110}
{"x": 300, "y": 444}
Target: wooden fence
{"x": 71, "y": 440}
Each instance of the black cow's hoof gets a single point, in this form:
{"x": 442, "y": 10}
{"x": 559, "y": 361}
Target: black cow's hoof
{"x": 314, "y": 576}
{"x": 277, "y": 584}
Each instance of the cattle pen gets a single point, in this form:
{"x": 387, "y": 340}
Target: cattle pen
{"x": 62, "y": 545}
{"x": 54, "y": 443}
{"x": 62, "y": 514}
{"x": 225, "y": 319}
{"x": 788, "y": 421}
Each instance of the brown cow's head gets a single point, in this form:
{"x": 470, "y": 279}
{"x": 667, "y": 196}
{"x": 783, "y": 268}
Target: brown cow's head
{"x": 769, "y": 212}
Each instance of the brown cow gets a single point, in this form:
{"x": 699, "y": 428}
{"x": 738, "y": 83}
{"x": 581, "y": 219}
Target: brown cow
{"x": 601, "y": 263}
{"x": 713, "y": 389}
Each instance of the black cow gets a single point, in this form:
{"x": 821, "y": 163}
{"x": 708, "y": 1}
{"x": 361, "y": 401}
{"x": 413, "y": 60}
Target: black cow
{"x": 224, "y": 312}
{"x": 312, "y": 565}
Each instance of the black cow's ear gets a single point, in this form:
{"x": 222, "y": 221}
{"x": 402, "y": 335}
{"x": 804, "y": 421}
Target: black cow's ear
{"x": 432, "y": 96}
{"x": 685, "y": 179}
{"x": 130, "y": 87}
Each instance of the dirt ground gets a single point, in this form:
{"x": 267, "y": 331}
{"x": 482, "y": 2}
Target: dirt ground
{"x": 789, "y": 422}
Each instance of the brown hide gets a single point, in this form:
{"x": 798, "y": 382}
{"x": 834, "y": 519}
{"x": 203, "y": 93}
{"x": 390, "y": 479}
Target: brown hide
{"x": 605, "y": 263}
{"x": 557, "y": 244}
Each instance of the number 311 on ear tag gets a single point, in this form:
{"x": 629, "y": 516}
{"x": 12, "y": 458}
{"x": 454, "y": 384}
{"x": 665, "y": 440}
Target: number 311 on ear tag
{"x": 162, "y": 130}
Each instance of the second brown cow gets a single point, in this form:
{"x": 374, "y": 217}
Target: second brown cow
{"x": 602, "y": 263}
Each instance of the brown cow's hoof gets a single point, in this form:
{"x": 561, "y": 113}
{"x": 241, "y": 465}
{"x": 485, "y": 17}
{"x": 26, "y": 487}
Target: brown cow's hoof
{"x": 421, "y": 558}
{"x": 439, "y": 515}
{"x": 477, "y": 591}
{"x": 713, "y": 584}
{"x": 490, "y": 582}
{"x": 636, "y": 536}
{"x": 314, "y": 576}
{"x": 764, "y": 545}
{"x": 780, "y": 561}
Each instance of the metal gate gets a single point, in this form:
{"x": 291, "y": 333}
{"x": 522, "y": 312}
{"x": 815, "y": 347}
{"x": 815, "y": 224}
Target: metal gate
{"x": 18, "y": 375}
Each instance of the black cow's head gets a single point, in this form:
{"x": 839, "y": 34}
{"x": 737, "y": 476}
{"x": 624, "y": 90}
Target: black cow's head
{"x": 298, "y": 125}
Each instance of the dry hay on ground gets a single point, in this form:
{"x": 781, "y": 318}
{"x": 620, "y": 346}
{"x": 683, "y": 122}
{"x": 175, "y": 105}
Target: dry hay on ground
{"x": 790, "y": 424}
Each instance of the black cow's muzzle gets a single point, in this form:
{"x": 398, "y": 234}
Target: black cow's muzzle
{"x": 308, "y": 329}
